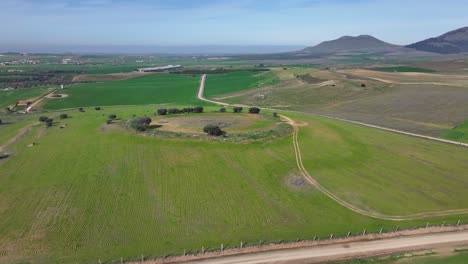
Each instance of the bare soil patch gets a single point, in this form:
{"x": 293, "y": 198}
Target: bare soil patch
{"x": 56, "y": 96}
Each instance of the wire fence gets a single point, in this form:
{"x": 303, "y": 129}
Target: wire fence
{"x": 256, "y": 246}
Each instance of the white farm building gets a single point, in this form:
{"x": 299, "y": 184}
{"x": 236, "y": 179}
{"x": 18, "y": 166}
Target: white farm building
{"x": 160, "y": 69}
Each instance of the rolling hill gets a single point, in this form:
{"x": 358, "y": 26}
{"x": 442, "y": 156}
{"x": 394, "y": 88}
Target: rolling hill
{"x": 452, "y": 42}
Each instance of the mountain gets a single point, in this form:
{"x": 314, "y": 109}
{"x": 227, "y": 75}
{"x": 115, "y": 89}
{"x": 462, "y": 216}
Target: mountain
{"x": 452, "y": 42}
{"x": 362, "y": 43}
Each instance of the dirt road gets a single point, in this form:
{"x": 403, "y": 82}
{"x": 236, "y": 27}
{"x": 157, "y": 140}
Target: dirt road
{"x": 342, "y": 251}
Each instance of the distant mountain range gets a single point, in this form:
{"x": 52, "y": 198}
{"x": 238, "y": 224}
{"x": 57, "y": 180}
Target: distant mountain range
{"x": 449, "y": 43}
{"x": 452, "y": 42}
{"x": 362, "y": 43}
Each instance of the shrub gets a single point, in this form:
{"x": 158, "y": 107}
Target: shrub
{"x": 275, "y": 115}
{"x": 63, "y": 116}
{"x": 222, "y": 110}
{"x": 254, "y": 110}
{"x": 187, "y": 110}
{"x": 198, "y": 109}
{"x": 1, "y": 121}
{"x": 173, "y": 111}
{"x": 238, "y": 109}
{"x": 49, "y": 122}
{"x": 141, "y": 123}
{"x": 109, "y": 122}
{"x": 213, "y": 130}
{"x": 43, "y": 118}
{"x": 81, "y": 109}
{"x": 97, "y": 108}
{"x": 363, "y": 85}
{"x": 162, "y": 111}
{"x": 112, "y": 117}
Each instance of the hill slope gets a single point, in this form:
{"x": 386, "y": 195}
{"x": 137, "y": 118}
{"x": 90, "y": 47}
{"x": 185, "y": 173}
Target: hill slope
{"x": 362, "y": 43}
{"x": 452, "y": 42}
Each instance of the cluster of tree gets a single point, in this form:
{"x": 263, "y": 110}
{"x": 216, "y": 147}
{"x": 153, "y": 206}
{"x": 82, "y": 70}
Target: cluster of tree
{"x": 97, "y": 108}
{"x": 140, "y": 123}
{"x": 63, "y": 116}
{"x": 213, "y": 130}
{"x": 172, "y": 111}
{"x": 47, "y": 121}
{"x": 81, "y": 109}
{"x": 237, "y": 109}
{"x": 254, "y": 110}
{"x": 33, "y": 80}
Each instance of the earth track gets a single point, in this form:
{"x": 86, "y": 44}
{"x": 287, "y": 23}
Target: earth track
{"x": 313, "y": 182}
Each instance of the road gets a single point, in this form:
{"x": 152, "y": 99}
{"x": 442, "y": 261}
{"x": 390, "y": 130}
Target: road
{"x": 341, "y": 251}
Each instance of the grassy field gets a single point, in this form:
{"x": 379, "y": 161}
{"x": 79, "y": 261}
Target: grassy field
{"x": 402, "y": 69}
{"x": 387, "y": 173}
{"x": 9, "y": 98}
{"x": 217, "y": 84}
{"x": 151, "y": 89}
{"x": 459, "y": 133}
{"x": 92, "y": 191}
{"x": 414, "y": 105}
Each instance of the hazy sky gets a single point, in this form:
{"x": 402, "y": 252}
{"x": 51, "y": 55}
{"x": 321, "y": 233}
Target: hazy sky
{"x": 222, "y": 22}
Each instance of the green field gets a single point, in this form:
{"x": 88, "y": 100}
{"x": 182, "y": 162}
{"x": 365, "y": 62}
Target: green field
{"x": 217, "y": 84}
{"x": 151, "y": 89}
{"x": 384, "y": 172}
{"x": 92, "y": 191}
{"x": 9, "y": 98}
{"x": 459, "y": 133}
{"x": 402, "y": 69}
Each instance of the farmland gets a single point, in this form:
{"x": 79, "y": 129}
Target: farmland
{"x": 402, "y": 69}
{"x": 9, "y": 98}
{"x": 430, "y": 104}
{"x": 238, "y": 81}
{"x": 151, "y": 89}
{"x": 94, "y": 191}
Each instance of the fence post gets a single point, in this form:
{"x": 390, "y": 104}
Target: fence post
{"x": 121, "y": 260}
{"x": 142, "y": 258}
{"x": 443, "y": 224}
{"x": 364, "y": 233}
{"x": 427, "y": 225}
{"x": 184, "y": 252}
{"x": 349, "y": 233}
{"x": 315, "y": 238}
{"x": 458, "y": 223}
{"x": 203, "y": 250}
{"x": 381, "y": 230}
{"x": 222, "y": 247}
{"x": 241, "y": 245}
{"x": 331, "y": 236}
{"x": 398, "y": 227}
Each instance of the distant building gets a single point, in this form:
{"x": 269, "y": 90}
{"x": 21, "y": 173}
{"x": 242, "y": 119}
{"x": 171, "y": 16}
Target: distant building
{"x": 23, "y": 103}
{"x": 160, "y": 69}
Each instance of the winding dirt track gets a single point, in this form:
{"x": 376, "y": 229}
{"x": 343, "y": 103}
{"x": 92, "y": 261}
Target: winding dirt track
{"x": 334, "y": 197}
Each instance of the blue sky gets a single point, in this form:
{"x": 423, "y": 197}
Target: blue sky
{"x": 223, "y": 22}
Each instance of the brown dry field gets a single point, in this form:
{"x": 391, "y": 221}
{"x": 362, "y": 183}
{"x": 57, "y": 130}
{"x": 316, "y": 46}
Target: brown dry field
{"x": 429, "y": 104}
{"x": 108, "y": 77}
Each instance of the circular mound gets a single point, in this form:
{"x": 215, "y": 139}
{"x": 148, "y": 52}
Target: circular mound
{"x": 57, "y": 96}
{"x": 228, "y": 122}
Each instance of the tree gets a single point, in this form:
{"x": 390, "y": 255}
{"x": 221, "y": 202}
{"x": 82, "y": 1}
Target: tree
{"x": 43, "y": 118}
{"x": 81, "y": 109}
{"x": 363, "y": 85}
{"x": 112, "y": 117}
{"x": 198, "y": 109}
{"x": 237, "y": 109}
{"x": 254, "y": 110}
{"x": 275, "y": 115}
{"x": 97, "y": 108}
{"x": 222, "y": 110}
{"x": 109, "y": 122}
{"x": 49, "y": 122}
{"x": 173, "y": 111}
{"x": 162, "y": 111}
{"x": 1, "y": 121}
{"x": 63, "y": 116}
{"x": 145, "y": 120}
{"x": 213, "y": 130}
